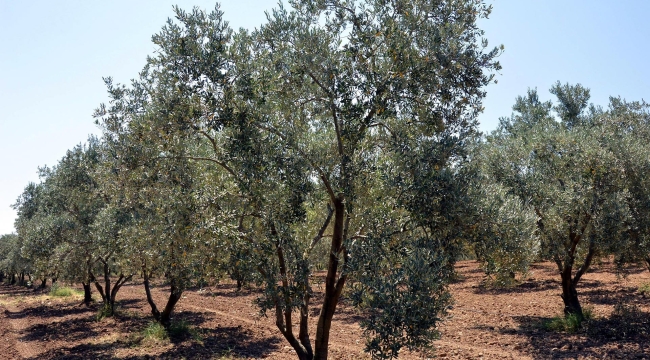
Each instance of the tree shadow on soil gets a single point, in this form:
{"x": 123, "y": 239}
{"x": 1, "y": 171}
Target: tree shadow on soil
{"x": 67, "y": 330}
{"x": 50, "y": 311}
{"x": 532, "y": 286}
{"x": 613, "y": 297}
{"x": 230, "y": 341}
{"x": 622, "y": 336}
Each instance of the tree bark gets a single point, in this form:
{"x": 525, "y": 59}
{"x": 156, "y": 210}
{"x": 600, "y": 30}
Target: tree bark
{"x": 43, "y": 283}
{"x": 98, "y": 286}
{"x": 87, "y": 294}
{"x": 333, "y": 286}
{"x": 154, "y": 310}
{"x": 174, "y": 296}
{"x": 118, "y": 284}
{"x": 283, "y": 313}
{"x": 570, "y": 295}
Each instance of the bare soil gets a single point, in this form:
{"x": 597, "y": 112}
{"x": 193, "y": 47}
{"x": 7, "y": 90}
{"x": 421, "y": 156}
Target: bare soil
{"x": 484, "y": 323}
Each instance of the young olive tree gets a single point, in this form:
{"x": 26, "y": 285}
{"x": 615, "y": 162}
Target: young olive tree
{"x": 166, "y": 224}
{"x": 12, "y": 263}
{"x": 55, "y": 216}
{"x": 565, "y": 171}
{"x": 361, "y": 109}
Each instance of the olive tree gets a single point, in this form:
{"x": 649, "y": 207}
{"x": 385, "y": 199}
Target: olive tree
{"x": 360, "y": 110}
{"x": 560, "y": 164}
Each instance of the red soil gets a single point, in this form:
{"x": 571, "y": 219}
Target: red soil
{"x": 484, "y": 323}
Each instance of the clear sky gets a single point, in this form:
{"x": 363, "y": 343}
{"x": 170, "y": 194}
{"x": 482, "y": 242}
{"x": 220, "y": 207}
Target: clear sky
{"x": 53, "y": 56}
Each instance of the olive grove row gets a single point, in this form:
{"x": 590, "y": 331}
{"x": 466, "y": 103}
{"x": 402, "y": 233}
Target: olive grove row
{"x": 339, "y": 136}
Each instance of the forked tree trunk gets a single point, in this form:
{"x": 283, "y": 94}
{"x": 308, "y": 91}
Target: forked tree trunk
{"x": 43, "y": 283}
{"x": 107, "y": 292}
{"x": 164, "y": 317}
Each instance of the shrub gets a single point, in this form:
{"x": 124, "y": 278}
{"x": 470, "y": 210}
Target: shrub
{"x": 644, "y": 289}
{"x": 104, "y": 312}
{"x": 62, "y": 291}
{"x": 155, "y": 331}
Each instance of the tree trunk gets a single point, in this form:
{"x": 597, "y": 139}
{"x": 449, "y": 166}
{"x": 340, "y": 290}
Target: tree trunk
{"x": 43, "y": 283}
{"x": 154, "y": 310}
{"x": 98, "y": 286}
{"x": 333, "y": 286}
{"x": 570, "y": 295}
{"x": 2, "y": 276}
{"x": 87, "y": 295}
{"x": 13, "y": 279}
{"x": 174, "y": 296}
{"x": 21, "y": 282}
{"x": 118, "y": 284}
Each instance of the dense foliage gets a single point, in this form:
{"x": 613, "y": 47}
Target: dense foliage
{"x": 339, "y": 136}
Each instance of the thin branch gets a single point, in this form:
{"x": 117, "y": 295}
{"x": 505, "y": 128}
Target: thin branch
{"x": 320, "y": 235}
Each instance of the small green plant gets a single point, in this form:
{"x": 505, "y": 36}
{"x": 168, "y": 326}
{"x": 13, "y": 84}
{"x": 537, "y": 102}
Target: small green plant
{"x": 105, "y": 311}
{"x": 644, "y": 289}
{"x": 570, "y": 323}
{"x": 155, "y": 332}
{"x": 62, "y": 291}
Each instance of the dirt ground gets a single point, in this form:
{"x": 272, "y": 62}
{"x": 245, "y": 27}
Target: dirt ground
{"x": 484, "y": 323}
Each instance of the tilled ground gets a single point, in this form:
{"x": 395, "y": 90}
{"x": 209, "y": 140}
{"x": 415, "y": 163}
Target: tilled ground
{"x": 484, "y": 323}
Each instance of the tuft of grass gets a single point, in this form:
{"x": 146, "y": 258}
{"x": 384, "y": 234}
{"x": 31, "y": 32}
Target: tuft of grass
{"x": 570, "y": 323}
{"x": 155, "y": 332}
{"x": 62, "y": 291}
{"x": 644, "y": 289}
{"x": 105, "y": 311}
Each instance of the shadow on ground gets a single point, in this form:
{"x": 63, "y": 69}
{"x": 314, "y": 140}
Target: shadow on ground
{"x": 623, "y": 335}
{"x": 231, "y": 341}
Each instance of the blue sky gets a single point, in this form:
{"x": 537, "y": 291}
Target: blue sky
{"x": 54, "y": 54}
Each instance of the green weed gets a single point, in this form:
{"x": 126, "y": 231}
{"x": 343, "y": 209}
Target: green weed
{"x": 155, "y": 332}
{"x": 570, "y": 323}
{"x": 62, "y": 291}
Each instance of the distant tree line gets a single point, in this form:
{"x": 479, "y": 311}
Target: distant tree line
{"x": 339, "y": 136}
